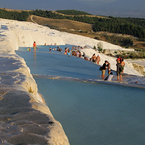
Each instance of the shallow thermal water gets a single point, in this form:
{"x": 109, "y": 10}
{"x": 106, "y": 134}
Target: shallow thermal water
{"x": 90, "y": 113}
{"x": 57, "y": 64}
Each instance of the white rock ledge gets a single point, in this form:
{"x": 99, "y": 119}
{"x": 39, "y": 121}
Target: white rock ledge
{"x": 24, "y": 117}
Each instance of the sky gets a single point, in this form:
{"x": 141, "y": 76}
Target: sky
{"x": 121, "y": 8}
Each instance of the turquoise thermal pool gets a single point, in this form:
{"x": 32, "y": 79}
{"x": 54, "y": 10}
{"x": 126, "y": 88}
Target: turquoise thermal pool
{"x": 90, "y": 113}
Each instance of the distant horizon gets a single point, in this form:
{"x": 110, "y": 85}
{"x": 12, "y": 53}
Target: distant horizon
{"x": 115, "y": 8}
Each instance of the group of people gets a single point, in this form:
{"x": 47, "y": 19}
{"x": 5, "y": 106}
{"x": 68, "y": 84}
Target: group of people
{"x": 76, "y": 52}
{"x": 95, "y": 59}
{"x": 120, "y": 69}
{"x": 34, "y": 47}
{"x": 73, "y": 52}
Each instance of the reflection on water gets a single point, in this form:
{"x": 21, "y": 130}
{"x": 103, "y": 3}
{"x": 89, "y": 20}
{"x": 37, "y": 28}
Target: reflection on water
{"x": 34, "y": 58}
{"x": 90, "y": 113}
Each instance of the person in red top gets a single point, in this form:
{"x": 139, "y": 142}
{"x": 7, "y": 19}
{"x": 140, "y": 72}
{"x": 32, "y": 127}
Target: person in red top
{"x": 34, "y": 46}
{"x": 119, "y": 59}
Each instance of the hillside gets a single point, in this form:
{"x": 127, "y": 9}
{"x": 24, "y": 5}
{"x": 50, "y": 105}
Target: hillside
{"x": 13, "y": 10}
{"x": 85, "y": 29}
{"x": 129, "y": 26}
{"x": 110, "y": 29}
{"x": 63, "y": 24}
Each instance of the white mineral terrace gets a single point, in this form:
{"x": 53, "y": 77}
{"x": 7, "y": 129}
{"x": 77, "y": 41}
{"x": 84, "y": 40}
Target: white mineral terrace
{"x": 24, "y": 117}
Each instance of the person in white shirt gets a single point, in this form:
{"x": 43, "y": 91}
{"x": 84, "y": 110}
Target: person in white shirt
{"x": 109, "y": 77}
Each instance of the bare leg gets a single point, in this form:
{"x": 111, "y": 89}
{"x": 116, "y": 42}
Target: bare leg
{"x": 121, "y": 78}
{"x": 102, "y": 77}
{"x": 117, "y": 78}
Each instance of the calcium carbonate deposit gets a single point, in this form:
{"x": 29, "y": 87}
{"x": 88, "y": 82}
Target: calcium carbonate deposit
{"x": 24, "y": 117}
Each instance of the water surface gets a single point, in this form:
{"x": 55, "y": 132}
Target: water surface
{"x": 90, "y": 113}
{"x": 96, "y": 114}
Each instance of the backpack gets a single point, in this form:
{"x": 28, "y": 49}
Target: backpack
{"x": 101, "y": 68}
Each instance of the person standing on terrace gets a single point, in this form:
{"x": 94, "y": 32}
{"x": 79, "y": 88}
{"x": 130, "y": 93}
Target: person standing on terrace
{"x": 122, "y": 65}
{"x": 119, "y": 71}
{"x": 119, "y": 59}
{"x": 34, "y": 46}
{"x": 104, "y": 67}
{"x": 98, "y": 59}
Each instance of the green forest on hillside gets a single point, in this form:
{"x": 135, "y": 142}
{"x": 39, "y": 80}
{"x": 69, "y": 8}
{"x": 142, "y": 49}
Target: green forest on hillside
{"x": 14, "y": 15}
{"x": 130, "y": 26}
{"x": 72, "y": 12}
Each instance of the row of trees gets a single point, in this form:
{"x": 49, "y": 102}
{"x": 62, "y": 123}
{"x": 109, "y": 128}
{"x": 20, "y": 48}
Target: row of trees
{"x": 72, "y": 12}
{"x": 20, "y": 16}
{"x": 130, "y": 26}
{"x": 120, "y": 26}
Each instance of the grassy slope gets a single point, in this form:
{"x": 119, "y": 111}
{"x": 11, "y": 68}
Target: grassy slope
{"x": 61, "y": 23}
